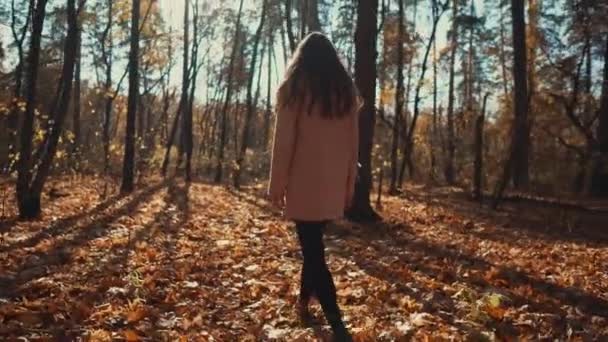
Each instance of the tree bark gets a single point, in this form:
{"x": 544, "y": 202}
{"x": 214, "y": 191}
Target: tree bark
{"x": 521, "y": 135}
{"x": 365, "y": 78}
{"x": 128, "y": 171}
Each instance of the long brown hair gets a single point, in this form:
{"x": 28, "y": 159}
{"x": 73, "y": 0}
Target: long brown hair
{"x": 317, "y": 79}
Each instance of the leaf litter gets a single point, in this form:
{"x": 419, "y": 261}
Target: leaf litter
{"x": 178, "y": 262}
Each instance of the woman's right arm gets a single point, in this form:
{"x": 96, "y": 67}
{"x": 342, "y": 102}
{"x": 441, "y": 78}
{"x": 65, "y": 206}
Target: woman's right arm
{"x": 354, "y": 158}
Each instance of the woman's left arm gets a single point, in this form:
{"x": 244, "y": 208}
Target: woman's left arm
{"x": 282, "y": 152}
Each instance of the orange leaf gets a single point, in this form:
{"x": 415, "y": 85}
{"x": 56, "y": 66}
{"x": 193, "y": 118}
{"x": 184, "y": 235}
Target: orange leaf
{"x": 497, "y": 313}
{"x": 136, "y": 315}
{"x": 131, "y": 336}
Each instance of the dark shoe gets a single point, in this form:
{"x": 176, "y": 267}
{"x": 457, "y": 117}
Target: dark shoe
{"x": 341, "y": 334}
{"x": 304, "y": 314}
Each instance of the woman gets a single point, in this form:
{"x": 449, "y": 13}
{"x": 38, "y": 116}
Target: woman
{"x": 314, "y": 161}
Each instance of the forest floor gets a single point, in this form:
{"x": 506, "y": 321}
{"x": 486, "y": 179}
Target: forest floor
{"x": 205, "y": 263}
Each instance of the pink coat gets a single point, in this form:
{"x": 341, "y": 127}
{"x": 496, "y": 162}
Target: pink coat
{"x": 315, "y": 161}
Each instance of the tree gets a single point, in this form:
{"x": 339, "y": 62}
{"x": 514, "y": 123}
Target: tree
{"x": 128, "y": 171}
{"x": 365, "y": 78}
{"x": 32, "y": 174}
{"x": 450, "y": 176}
{"x": 250, "y": 101}
{"x": 478, "y": 175}
{"x": 600, "y": 171}
{"x": 186, "y": 140}
{"x": 398, "y": 100}
{"x": 19, "y": 36}
{"x": 224, "y": 114}
{"x": 520, "y": 133}
{"x": 409, "y": 139}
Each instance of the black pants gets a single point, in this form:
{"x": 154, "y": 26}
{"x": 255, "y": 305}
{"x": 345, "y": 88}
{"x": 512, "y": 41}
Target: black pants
{"x": 316, "y": 278}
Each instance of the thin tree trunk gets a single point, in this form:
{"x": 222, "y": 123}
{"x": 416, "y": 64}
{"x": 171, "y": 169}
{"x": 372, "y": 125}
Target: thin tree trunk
{"x": 408, "y": 150}
{"x": 107, "y": 56}
{"x": 128, "y": 171}
{"x": 398, "y": 101}
{"x": 250, "y": 105}
{"x": 13, "y": 118}
{"x": 77, "y": 89}
{"x": 450, "y": 176}
{"x": 186, "y": 131}
{"x": 224, "y": 119}
{"x": 502, "y": 55}
{"x": 478, "y": 177}
{"x": 433, "y": 139}
{"x": 268, "y": 111}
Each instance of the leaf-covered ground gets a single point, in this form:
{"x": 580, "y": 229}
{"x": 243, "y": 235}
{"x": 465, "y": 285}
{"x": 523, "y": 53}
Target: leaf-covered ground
{"x": 205, "y": 263}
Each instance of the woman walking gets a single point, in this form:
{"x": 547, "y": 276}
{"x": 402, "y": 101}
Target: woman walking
{"x": 314, "y": 162}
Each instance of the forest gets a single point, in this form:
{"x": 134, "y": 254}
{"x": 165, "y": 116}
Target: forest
{"x": 135, "y": 148}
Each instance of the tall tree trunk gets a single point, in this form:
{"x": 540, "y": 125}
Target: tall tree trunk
{"x": 433, "y": 140}
{"x": 128, "y": 171}
{"x": 398, "y": 101}
{"x": 407, "y": 161}
{"x": 250, "y": 105}
{"x": 521, "y": 135}
{"x": 600, "y": 172}
{"x": 186, "y": 131}
{"x": 450, "y": 176}
{"x": 268, "y": 111}
{"x": 29, "y": 203}
{"x": 313, "y": 21}
{"x": 478, "y": 177}
{"x": 224, "y": 119}
{"x": 107, "y": 57}
{"x": 503, "y": 54}
{"x": 289, "y": 23}
{"x": 365, "y": 78}
{"x": 77, "y": 88}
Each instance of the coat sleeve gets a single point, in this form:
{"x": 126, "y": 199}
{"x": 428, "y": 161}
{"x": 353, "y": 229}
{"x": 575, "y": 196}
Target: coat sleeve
{"x": 354, "y": 157}
{"x": 283, "y": 149}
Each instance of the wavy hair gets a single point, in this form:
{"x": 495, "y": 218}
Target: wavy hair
{"x": 316, "y": 81}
